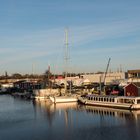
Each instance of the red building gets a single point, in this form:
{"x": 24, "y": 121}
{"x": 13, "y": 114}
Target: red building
{"x": 131, "y": 90}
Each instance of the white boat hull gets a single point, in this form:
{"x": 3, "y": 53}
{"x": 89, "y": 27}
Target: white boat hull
{"x": 63, "y": 99}
{"x": 130, "y": 106}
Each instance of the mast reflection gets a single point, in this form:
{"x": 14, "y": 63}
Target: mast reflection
{"x": 51, "y": 110}
{"x": 66, "y": 111}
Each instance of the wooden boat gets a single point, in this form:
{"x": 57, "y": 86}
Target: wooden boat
{"x": 120, "y": 102}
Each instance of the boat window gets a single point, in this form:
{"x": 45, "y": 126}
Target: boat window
{"x": 138, "y": 101}
{"x": 120, "y": 100}
{"x": 112, "y": 100}
{"x": 128, "y": 101}
{"x": 101, "y": 99}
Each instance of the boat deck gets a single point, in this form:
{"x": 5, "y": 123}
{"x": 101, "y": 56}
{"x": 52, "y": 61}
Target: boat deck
{"x": 123, "y": 102}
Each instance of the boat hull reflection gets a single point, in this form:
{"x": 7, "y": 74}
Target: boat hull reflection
{"x": 121, "y": 113}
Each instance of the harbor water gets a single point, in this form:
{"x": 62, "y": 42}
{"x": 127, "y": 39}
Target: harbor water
{"x": 39, "y": 120}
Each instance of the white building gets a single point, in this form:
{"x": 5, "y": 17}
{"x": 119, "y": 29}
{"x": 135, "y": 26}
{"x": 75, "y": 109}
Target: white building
{"x": 110, "y": 77}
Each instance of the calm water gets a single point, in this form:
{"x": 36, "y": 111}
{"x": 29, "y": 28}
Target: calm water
{"x": 26, "y": 120}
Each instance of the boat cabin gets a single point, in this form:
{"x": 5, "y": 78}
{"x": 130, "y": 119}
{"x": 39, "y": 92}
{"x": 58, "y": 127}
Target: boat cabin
{"x": 114, "y": 99}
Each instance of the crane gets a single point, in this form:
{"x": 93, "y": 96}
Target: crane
{"x": 106, "y": 70}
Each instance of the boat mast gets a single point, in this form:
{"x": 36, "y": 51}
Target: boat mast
{"x": 66, "y": 58}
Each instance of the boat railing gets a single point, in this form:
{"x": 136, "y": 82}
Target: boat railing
{"x": 101, "y": 98}
{"x": 126, "y": 101}
{"x": 129, "y": 100}
{"x": 114, "y": 99}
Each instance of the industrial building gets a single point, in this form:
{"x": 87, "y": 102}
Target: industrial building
{"x": 109, "y": 78}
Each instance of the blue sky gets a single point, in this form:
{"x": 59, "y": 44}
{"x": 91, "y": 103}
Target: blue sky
{"x": 32, "y": 34}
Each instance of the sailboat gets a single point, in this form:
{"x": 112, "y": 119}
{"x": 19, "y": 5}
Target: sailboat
{"x": 66, "y": 98}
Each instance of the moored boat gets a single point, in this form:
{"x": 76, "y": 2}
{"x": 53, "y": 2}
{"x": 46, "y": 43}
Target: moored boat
{"x": 68, "y": 97}
{"x": 121, "y": 102}
{"x": 63, "y": 99}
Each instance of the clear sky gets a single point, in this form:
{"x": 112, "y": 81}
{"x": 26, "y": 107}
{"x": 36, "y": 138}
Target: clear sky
{"x": 32, "y": 35}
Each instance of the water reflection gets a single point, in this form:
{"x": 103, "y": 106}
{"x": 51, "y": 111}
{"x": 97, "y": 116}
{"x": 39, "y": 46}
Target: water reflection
{"x": 51, "y": 110}
{"x": 114, "y": 117}
{"x": 25, "y": 120}
{"x": 86, "y": 122}
{"x": 65, "y": 109}
{"x": 112, "y": 112}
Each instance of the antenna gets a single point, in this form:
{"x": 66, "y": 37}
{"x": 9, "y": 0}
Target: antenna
{"x": 66, "y": 57}
{"x": 120, "y": 68}
{"x": 33, "y": 67}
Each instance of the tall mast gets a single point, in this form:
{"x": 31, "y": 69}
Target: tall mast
{"x": 66, "y": 58}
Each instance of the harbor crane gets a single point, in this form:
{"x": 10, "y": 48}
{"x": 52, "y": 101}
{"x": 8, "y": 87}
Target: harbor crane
{"x": 100, "y": 90}
{"x": 106, "y": 70}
